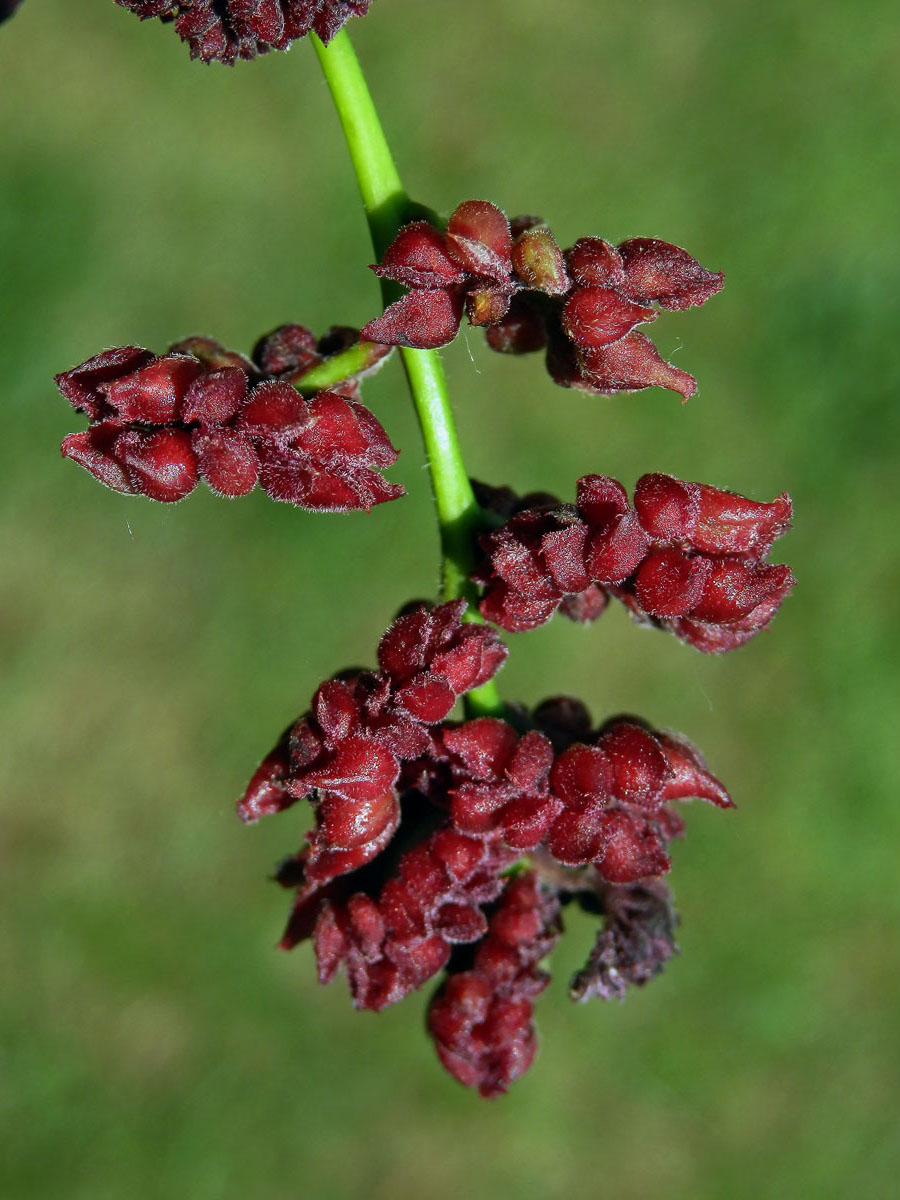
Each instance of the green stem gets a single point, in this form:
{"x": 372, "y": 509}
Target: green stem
{"x": 383, "y": 196}
{"x": 348, "y": 364}
{"x": 457, "y": 511}
{"x": 387, "y": 208}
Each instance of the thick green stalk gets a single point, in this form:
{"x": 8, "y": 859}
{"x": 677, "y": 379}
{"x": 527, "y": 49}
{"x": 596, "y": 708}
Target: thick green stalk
{"x": 388, "y": 207}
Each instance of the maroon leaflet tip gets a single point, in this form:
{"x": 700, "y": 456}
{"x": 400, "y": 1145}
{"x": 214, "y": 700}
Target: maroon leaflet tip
{"x": 422, "y": 320}
{"x": 340, "y": 429}
{"x": 266, "y": 792}
{"x": 633, "y": 851}
{"x": 327, "y": 862}
{"x": 484, "y": 746}
{"x": 666, "y": 274}
{"x": 711, "y": 520}
{"x": 576, "y": 838}
{"x": 690, "y": 776}
{"x": 418, "y": 258}
{"x": 428, "y": 698}
{"x": 629, "y": 365}
{"x": 514, "y": 612}
{"x": 94, "y": 449}
{"x": 84, "y": 386}
{"x": 731, "y": 524}
{"x": 563, "y": 553}
{"x": 735, "y": 588}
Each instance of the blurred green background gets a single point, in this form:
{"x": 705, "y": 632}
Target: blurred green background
{"x": 154, "y": 1043}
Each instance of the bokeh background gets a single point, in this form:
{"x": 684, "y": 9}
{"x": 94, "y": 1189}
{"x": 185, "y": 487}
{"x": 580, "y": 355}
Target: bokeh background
{"x": 154, "y": 1042}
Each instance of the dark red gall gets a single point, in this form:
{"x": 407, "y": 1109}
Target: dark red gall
{"x": 686, "y": 556}
{"x": 225, "y": 30}
{"x": 160, "y": 422}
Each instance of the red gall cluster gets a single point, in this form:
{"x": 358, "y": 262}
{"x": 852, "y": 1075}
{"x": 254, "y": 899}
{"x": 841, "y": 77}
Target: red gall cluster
{"x": 225, "y": 30}
{"x": 419, "y": 821}
{"x": 394, "y": 927}
{"x": 582, "y": 306}
{"x": 160, "y": 423}
{"x": 481, "y": 1018}
{"x": 392, "y": 943}
{"x": 603, "y": 800}
{"x": 686, "y": 557}
{"x": 346, "y": 754}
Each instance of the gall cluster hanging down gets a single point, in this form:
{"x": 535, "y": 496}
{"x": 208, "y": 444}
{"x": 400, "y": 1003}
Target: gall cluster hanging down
{"x": 414, "y": 867}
